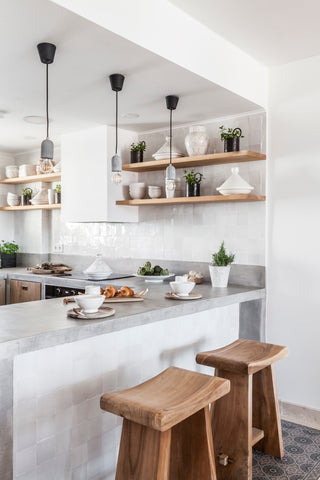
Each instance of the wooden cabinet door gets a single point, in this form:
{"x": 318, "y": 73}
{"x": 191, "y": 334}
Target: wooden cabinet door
{"x": 24, "y": 291}
{"x": 2, "y": 292}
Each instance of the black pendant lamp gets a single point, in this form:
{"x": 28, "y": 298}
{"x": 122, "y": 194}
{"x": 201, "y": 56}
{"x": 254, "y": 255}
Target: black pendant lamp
{"x": 172, "y": 102}
{"x": 116, "y": 81}
{"x": 46, "y": 53}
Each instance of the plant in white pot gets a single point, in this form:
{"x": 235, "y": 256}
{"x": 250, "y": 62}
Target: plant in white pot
{"x": 220, "y": 267}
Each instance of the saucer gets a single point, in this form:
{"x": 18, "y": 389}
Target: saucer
{"x": 191, "y": 296}
{"x": 103, "y": 312}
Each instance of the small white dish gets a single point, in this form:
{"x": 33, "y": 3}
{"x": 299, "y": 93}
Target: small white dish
{"x": 182, "y": 288}
{"x": 235, "y": 185}
{"x": 12, "y": 171}
{"x": 154, "y": 278}
{"x": 89, "y": 303}
{"x": 154, "y": 191}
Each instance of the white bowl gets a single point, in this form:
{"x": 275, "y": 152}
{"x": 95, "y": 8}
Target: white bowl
{"x": 137, "y": 193}
{"x": 13, "y": 203}
{"x": 154, "y": 191}
{"x": 89, "y": 303}
{"x": 27, "y": 170}
{"x": 12, "y": 171}
{"x": 182, "y": 288}
{"x": 137, "y": 185}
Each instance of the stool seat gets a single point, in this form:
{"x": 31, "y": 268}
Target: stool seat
{"x": 243, "y": 356}
{"x": 167, "y": 399}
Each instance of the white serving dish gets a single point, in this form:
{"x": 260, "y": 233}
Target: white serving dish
{"x": 182, "y": 288}
{"x": 12, "y": 171}
{"x": 98, "y": 276}
{"x": 89, "y": 303}
{"x": 235, "y": 185}
{"x": 164, "y": 152}
{"x": 137, "y": 190}
{"x": 154, "y": 191}
{"x": 154, "y": 279}
{"x": 98, "y": 270}
{"x": 27, "y": 170}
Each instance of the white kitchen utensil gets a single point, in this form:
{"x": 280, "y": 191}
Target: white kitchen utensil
{"x": 235, "y": 184}
{"x": 99, "y": 269}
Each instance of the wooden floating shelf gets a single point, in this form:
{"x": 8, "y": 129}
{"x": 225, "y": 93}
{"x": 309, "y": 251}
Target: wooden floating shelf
{"x": 197, "y": 161}
{"x": 186, "y": 200}
{"x": 45, "y": 177}
{"x": 54, "y": 206}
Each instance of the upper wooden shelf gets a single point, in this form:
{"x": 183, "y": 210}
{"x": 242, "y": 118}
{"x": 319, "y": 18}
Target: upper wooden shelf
{"x": 45, "y": 177}
{"x": 197, "y": 161}
{"x": 203, "y": 199}
{"x": 46, "y": 206}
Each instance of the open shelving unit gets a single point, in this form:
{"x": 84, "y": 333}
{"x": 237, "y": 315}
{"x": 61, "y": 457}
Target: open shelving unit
{"x": 45, "y": 177}
{"x": 196, "y": 161}
{"x": 46, "y": 206}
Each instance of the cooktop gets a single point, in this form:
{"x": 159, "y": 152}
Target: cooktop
{"x": 83, "y": 276}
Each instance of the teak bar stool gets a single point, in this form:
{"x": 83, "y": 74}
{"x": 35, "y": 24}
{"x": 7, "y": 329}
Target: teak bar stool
{"x": 249, "y": 415}
{"x": 166, "y": 433}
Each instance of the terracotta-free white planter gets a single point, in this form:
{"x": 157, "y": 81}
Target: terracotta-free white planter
{"x": 219, "y": 276}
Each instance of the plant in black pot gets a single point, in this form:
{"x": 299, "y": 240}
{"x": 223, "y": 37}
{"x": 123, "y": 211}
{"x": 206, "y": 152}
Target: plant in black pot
{"x": 8, "y": 254}
{"x": 137, "y": 151}
{"x": 193, "y": 181}
{"x": 26, "y": 196}
{"x": 57, "y": 193}
{"x": 231, "y": 138}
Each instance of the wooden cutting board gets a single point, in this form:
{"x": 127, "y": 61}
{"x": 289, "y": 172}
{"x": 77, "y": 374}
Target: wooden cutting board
{"x": 135, "y": 298}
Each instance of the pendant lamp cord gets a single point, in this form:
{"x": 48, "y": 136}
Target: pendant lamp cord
{"x": 116, "y": 122}
{"x": 170, "y": 137}
{"x": 47, "y": 98}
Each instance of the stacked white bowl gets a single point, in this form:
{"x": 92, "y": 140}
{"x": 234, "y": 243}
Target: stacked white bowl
{"x": 137, "y": 190}
{"x": 27, "y": 170}
{"x": 154, "y": 191}
{"x": 12, "y": 171}
{"x": 13, "y": 199}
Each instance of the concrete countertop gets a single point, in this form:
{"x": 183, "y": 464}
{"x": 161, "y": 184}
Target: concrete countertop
{"x": 32, "y": 326}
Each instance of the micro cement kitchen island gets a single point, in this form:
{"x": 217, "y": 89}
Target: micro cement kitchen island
{"x": 54, "y": 369}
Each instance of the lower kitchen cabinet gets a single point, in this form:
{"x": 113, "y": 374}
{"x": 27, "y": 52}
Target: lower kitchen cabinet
{"x": 24, "y": 291}
{"x": 2, "y": 292}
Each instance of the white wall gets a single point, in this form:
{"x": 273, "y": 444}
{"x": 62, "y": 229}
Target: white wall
{"x": 161, "y": 27}
{"x": 293, "y": 227}
{"x": 6, "y": 218}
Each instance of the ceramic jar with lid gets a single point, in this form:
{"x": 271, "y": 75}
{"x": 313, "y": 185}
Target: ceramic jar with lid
{"x": 197, "y": 141}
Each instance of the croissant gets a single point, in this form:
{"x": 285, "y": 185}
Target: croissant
{"x": 126, "y": 292}
{"x": 110, "y": 291}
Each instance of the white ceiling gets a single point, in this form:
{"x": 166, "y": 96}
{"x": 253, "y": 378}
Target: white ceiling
{"x": 80, "y": 95}
{"x": 273, "y": 32}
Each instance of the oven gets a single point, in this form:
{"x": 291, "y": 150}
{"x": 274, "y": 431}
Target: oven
{"x": 54, "y": 291}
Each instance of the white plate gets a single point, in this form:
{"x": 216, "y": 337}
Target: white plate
{"x": 234, "y": 191}
{"x": 153, "y": 278}
{"x": 97, "y": 276}
{"x": 191, "y": 296}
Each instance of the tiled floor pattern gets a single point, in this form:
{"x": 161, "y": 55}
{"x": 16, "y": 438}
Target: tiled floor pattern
{"x": 301, "y": 460}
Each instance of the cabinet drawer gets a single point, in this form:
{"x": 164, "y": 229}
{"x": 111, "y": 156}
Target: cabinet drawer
{"x": 2, "y": 292}
{"x": 24, "y": 291}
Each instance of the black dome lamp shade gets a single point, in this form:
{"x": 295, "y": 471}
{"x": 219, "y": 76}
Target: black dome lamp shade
{"x": 172, "y": 102}
{"x": 46, "y": 52}
{"x": 116, "y": 81}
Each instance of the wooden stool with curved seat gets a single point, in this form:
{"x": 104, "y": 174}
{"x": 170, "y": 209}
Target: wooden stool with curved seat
{"x": 249, "y": 415}
{"x": 166, "y": 433}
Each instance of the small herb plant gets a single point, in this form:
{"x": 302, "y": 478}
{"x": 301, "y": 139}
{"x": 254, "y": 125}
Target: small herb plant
{"x": 27, "y": 191}
{"x": 221, "y": 259}
{"x": 58, "y": 188}
{"x": 139, "y": 147}
{"x": 10, "y": 248}
{"x": 226, "y": 133}
{"x": 193, "y": 178}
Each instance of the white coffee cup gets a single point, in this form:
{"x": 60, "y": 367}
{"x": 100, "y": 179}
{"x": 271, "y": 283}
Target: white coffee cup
{"x": 92, "y": 290}
{"x": 51, "y": 196}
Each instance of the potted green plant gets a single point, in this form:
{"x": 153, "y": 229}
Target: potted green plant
{"x": 137, "y": 151}
{"x": 26, "y": 196}
{"x": 231, "y": 138}
{"x": 8, "y": 254}
{"x": 57, "y": 193}
{"x": 220, "y": 267}
{"x": 193, "y": 181}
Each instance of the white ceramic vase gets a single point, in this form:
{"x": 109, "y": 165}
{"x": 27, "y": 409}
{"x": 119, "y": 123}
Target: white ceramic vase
{"x": 197, "y": 141}
{"x": 219, "y": 275}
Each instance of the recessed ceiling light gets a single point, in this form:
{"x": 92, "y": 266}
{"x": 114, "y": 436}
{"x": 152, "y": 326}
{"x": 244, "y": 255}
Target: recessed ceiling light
{"x": 130, "y": 115}
{"x": 35, "y": 119}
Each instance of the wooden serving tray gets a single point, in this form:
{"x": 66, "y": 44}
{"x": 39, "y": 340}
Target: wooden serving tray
{"x": 135, "y": 298}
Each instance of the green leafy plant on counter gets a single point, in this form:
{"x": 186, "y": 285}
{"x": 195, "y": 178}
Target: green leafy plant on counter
{"x": 193, "y": 178}
{"x": 139, "y": 147}
{"x": 226, "y": 133}
{"x": 156, "y": 271}
{"x": 58, "y": 188}
{"x": 221, "y": 258}
{"x": 27, "y": 191}
{"x": 10, "y": 248}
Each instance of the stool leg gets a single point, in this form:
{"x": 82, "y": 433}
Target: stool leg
{"x": 192, "y": 456}
{"x": 144, "y": 453}
{"x": 232, "y": 427}
{"x": 266, "y": 414}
